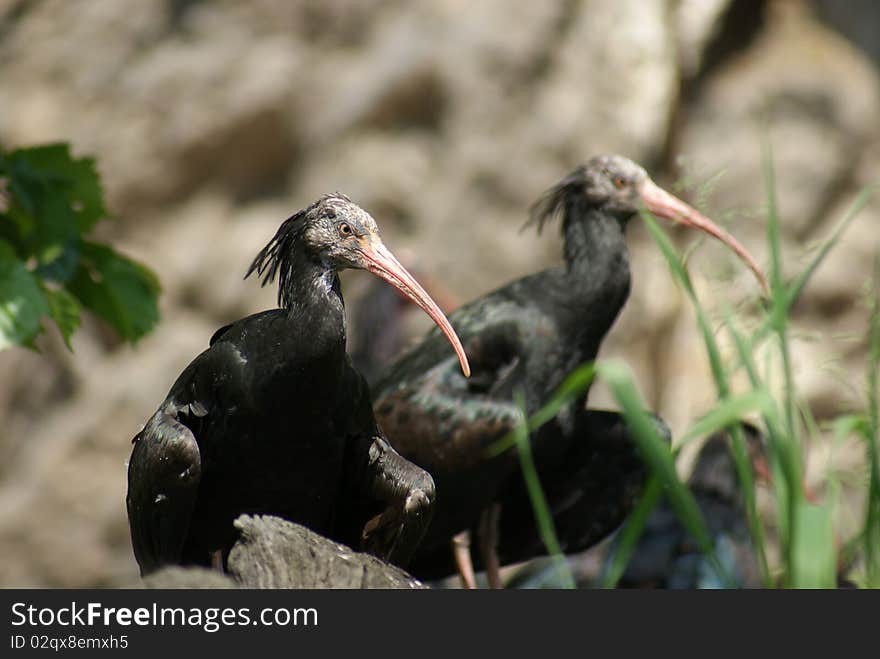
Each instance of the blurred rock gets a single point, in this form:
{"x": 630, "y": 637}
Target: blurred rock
{"x": 855, "y": 19}
{"x": 697, "y": 23}
{"x": 812, "y": 94}
{"x": 273, "y": 553}
{"x": 186, "y": 577}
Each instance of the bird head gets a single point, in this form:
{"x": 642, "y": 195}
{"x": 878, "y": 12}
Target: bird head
{"x": 617, "y": 186}
{"x": 715, "y": 469}
{"x": 338, "y": 234}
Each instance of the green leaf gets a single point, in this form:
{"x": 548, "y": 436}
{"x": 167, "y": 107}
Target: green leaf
{"x": 119, "y": 290}
{"x": 64, "y": 310}
{"x": 53, "y": 199}
{"x": 22, "y": 302}
{"x": 55, "y": 227}
{"x": 814, "y": 558}
{"x": 60, "y": 265}
{"x": 76, "y": 180}
{"x": 16, "y": 226}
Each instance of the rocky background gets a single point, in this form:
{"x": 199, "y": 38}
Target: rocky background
{"x": 213, "y": 120}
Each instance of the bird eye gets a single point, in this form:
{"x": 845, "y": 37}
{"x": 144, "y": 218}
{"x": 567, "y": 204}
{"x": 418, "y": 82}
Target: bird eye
{"x": 618, "y": 182}
{"x": 344, "y": 229}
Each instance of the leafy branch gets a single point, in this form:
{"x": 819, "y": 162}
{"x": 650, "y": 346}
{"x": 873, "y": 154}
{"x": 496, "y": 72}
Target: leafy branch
{"x": 49, "y": 202}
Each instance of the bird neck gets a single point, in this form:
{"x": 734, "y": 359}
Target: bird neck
{"x": 595, "y": 283}
{"x": 313, "y": 301}
{"x": 595, "y": 248}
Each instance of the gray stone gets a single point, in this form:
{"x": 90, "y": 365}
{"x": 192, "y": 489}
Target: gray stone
{"x": 275, "y": 553}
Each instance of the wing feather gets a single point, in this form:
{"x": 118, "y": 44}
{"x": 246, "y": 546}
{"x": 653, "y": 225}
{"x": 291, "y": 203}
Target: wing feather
{"x": 163, "y": 480}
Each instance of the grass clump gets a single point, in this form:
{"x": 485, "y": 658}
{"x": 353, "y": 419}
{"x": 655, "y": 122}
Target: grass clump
{"x": 810, "y": 552}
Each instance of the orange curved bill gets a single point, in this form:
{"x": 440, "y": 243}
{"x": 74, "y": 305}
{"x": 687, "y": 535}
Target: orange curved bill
{"x": 665, "y": 205}
{"x": 379, "y": 260}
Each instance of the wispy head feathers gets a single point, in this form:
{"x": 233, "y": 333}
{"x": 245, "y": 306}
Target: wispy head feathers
{"x": 278, "y": 257}
{"x": 552, "y": 203}
{"x": 275, "y": 259}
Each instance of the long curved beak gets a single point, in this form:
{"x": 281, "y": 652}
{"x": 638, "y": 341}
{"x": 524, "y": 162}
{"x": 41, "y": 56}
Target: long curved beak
{"x": 382, "y": 263}
{"x": 665, "y": 205}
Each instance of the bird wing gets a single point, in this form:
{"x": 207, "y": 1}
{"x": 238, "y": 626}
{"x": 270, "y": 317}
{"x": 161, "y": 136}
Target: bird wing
{"x": 448, "y": 424}
{"x": 438, "y": 418}
{"x": 438, "y": 422}
{"x": 590, "y": 489}
{"x": 253, "y": 322}
{"x": 216, "y": 336}
{"x": 163, "y": 481}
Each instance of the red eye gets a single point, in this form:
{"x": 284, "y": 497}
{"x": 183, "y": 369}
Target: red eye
{"x": 618, "y": 182}
{"x": 344, "y": 229}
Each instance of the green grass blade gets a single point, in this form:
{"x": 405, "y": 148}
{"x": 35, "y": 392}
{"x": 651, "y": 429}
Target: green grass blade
{"x": 814, "y": 560}
{"x": 786, "y": 447}
{"x": 727, "y": 413}
{"x": 543, "y": 517}
{"x": 626, "y": 542}
{"x": 871, "y": 531}
{"x": 796, "y": 286}
{"x": 741, "y": 457}
{"x": 744, "y": 472}
{"x": 681, "y": 274}
{"x": 772, "y": 220}
{"x": 659, "y": 459}
{"x": 572, "y": 387}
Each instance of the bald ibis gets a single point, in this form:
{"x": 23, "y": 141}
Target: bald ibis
{"x": 526, "y": 336}
{"x": 589, "y": 493}
{"x": 273, "y": 419}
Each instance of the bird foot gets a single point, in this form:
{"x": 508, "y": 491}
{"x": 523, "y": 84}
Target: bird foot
{"x": 408, "y": 493}
{"x": 489, "y": 544}
{"x": 461, "y": 550}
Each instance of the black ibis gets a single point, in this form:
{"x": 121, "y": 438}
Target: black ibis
{"x": 667, "y": 556}
{"x": 273, "y": 419}
{"x": 589, "y": 493}
{"x": 526, "y": 336}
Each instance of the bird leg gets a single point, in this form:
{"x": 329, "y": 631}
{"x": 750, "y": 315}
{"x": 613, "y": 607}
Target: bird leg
{"x": 408, "y": 492}
{"x": 217, "y": 560}
{"x": 489, "y": 544}
{"x": 461, "y": 551}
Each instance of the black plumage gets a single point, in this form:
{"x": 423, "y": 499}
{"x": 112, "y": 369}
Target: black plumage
{"x": 667, "y": 556}
{"x": 273, "y": 419}
{"x": 589, "y": 493}
{"x": 526, "y": 336}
